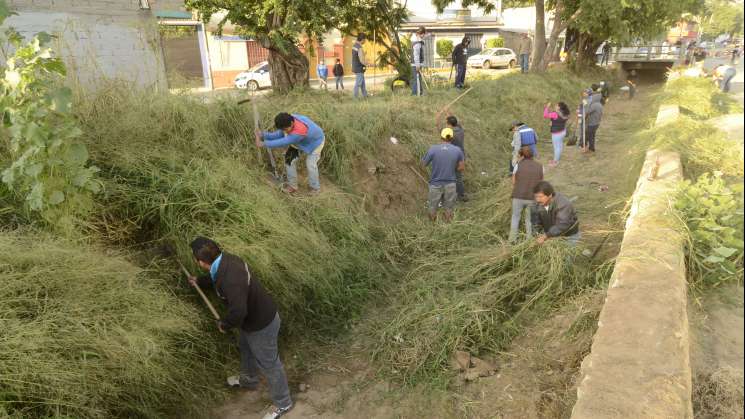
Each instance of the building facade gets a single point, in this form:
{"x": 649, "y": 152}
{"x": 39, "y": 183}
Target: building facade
{"x": 99, "y": 40}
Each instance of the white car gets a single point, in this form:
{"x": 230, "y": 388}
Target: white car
{"x": 255, "y": 78}
{"x": 493, "y": 57}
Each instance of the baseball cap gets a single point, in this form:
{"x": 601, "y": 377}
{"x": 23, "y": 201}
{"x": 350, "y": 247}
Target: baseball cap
{"x": 446, "y": 133}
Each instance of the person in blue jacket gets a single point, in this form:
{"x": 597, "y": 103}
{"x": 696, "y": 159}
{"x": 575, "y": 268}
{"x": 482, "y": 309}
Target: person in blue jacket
{"x": 323, "y": 75}
{"x": 297, "y": 133}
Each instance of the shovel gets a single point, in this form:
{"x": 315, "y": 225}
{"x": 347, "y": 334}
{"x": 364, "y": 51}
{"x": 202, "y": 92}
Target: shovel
{"x": 201, "y": 294}
{"x": 276, "y": 177}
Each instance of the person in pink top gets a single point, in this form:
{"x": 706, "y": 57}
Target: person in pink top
{"x": 559, "y": 117}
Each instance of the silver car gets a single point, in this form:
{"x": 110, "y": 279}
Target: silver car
{"x": 492, "y": 58}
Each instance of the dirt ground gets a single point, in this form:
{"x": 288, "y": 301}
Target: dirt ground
{"x": 536, "y": 375}
{"x": 717, "y": 353}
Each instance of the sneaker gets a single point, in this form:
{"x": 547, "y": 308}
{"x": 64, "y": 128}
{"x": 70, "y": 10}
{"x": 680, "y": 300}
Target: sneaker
{"x": 314, "y": 192}
{"x": 234, "y": 381}
{"x": 277, "y": 412}
{"x": 463, "y": 198}
{"x": 289, "y": 189}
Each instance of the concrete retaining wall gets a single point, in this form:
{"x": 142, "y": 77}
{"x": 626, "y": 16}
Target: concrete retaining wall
{"x": 639, "y": 365}
{"x": 98, "y": 40}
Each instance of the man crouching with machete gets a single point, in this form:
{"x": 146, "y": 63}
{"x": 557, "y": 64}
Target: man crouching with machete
{"x": 253, "y": 312}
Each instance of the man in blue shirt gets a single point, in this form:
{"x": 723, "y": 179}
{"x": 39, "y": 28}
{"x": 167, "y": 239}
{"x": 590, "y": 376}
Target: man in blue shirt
{"x": 323, "y": 75}
{"x": 297, "y": 133}
{"x": 446, "y": 159}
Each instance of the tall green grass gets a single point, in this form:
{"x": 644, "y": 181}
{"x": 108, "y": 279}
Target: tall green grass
{"x": 86, "y": 334}
{"x": 710, "y": 204}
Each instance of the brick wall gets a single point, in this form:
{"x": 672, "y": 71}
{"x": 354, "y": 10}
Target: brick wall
{"x": 97, "y": 39}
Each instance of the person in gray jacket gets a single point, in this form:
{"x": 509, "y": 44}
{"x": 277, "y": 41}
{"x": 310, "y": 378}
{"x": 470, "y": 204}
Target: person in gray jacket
{"x": 554, "y": 215}
{"x": 417, "y": 62}
{"x": 359, "y": 66}
{"x": 593, "y": 118}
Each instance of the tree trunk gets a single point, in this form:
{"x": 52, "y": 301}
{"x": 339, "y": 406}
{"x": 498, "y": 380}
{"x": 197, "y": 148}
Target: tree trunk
{"x": 586, "y": 48}
{"x": 539, "y": 42}
{"x": 289, "y": 69}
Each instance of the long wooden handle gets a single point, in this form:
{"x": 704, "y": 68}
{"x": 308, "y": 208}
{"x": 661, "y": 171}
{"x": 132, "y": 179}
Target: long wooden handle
{"x": 201, "y": 294}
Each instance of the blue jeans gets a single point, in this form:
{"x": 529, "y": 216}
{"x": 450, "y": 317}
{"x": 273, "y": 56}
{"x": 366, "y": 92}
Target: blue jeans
{"x": 573, "y": 240}
{"x": 259, "y": 353}
{"x": 417, "y": 88}
{"x": 725, "y": 82}
{"x": 460, "y": 75}
{"x": 340, "y": 82}
{"x": 359, "y": 84}
{"x": 311, "y": 163}
{"x": 524, "y": 62}
{"x": 518, "y": 207}
{"x": 557, "y": 139}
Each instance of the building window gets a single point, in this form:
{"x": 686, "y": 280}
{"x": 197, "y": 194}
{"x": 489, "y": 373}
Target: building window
{"x": 144, "y": 4}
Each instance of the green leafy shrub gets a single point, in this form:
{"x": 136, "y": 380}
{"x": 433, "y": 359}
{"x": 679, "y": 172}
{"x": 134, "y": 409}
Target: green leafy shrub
{"x": 712, "y": 212}
{"x": 495, "y": 43}
{"x": 444, "y": 48}
{"x": 45, "y": 163}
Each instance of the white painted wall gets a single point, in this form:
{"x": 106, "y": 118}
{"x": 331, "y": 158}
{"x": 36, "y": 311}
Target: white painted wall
{"x": 98, "y": 40}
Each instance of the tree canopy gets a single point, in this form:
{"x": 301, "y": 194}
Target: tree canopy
{"x": 721, "y": 17}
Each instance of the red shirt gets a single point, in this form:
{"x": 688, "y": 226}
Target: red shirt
{"x": 299, "y": 128}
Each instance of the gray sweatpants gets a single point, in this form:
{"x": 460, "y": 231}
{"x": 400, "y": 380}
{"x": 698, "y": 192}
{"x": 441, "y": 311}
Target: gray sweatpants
{"x": 259, "y": 353}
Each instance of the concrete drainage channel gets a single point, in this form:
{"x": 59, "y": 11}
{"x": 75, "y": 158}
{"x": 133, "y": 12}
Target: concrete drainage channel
{"x": 639, "y": 365}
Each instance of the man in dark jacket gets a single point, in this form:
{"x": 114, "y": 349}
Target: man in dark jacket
{"x": 339, "y": 74}
{"x": 252, "y": 311}
{"x": 460, "y": 57}
{"x": 554, "y": 215}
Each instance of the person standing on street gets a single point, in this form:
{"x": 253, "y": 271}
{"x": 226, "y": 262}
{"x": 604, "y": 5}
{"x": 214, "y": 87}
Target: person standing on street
{"x": 339, "y": 74}
{"x": 446, "y": 159}
{"x": 559, "y": 117}
{"x": 251, "y": 310}
{"x": 523, "y": 52}
{"x": 554, "y": 215}
{"x": 527, "y": 175}
{"x": 359, "y": 65}
{"x": 417, "y": 62}
{"x": 460, "y": 57}
{"x": 297, "y": 133}
{"x": 631, "y": 83}
{"x": 323, "y": 75}
{"x": 606, "y": 53}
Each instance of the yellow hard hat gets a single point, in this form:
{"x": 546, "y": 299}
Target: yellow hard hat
{"x": 446, "y": 133}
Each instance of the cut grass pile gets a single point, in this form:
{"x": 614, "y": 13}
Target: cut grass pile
{"x": 469, "y": 290}
{"x": 86, "y": 334}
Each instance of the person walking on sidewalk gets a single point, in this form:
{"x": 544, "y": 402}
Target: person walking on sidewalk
{"x": 297, "y": 133}
{"x": 417, "y": 62}
{"x": 359, "y": 66}
{"x": 460, "y": 57}
{"x": 339, "y": 74}
{"x": 554, "y": 215}
{"x": 251, "y": 310}
{"x": 559, "y": 117}
{"x": 523, "y": 52}
{"x": 593, "y": 118}
{"x": 323, "y": 75}
{"x": 527, "y": 175}
{"x": 446, "y": 159}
